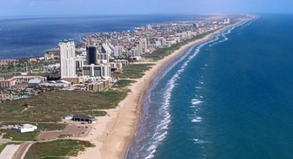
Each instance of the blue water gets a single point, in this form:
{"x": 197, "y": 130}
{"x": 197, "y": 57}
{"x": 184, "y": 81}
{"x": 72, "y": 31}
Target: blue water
{"x": 32, "y": 36}
{"x": 228, "y": 98}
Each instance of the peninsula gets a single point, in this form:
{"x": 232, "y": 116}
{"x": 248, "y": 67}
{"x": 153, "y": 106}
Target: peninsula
{"x": 121, "y": 66}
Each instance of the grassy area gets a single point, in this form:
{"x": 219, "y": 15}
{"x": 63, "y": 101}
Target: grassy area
{"x": 95, "y": 113}
{"x": 64, "y": 136}
{"x": 16, "y": 136}
{"x": 133, "y": 71}
{"x": 162, "y": 52}
{"x": 51, "y": 126}
{"x": 59, "y": 149}
{"x": 53, "y": 106}
{"x": 2, "y": 147}
{"x": 122, "y": 84}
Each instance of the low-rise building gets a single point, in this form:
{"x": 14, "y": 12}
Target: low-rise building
{"x": 24, "y": 128}
{"x": 8, "y": 83}
{"x": 34, "y": 82}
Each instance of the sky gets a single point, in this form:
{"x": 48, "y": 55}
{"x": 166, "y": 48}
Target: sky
{"x": 117, "y": 7}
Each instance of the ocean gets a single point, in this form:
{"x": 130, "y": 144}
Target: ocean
{"x": 226, "y": 98}
{"x": 22, "y": 37}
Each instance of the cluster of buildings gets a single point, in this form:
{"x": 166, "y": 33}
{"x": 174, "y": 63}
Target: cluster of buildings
{"x": 89, "y": 67}
{"x": 143, "y": 40}
{"x": 5, "y": 62}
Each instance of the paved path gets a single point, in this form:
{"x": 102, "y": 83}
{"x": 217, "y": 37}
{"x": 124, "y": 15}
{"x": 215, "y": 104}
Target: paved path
{"x": 9, "y": 151}
{"x": 20, "y": 153}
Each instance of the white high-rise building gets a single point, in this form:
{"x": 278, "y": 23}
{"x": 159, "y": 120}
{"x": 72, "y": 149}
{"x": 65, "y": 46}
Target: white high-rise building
{"x": 118, "y": 51}
{"x": 142, "y": 45}
{"x": 67, "y": 58}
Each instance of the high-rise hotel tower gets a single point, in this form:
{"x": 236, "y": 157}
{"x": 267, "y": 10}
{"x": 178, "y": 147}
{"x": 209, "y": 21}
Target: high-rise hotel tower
{"x": 91, "y": 55}
{"x": 67, "y": 58}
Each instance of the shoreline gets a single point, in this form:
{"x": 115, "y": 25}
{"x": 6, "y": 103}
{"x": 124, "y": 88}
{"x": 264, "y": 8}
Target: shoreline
{"x": 114, "y": 133}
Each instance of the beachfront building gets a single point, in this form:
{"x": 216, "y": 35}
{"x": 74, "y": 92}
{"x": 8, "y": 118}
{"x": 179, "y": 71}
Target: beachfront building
{"x": 118, "y": 51}
{"x": 142, "y": 45}
{"x": 105, "y": 48}
{"x": 80, "y": 61}
{"x": 103, "y": 58}
{"x": 67, "y": 58}
{"x": 83, "y": 118}
{"x": 102, "y": 70}
{"x": 91, "y": 55}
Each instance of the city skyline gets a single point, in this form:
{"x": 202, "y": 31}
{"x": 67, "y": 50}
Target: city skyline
{"x": 120, "y": 7}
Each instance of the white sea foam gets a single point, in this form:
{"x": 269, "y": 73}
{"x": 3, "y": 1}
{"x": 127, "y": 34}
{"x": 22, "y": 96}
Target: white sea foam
{"x": 151, "y": 155}
{"x": 196, "y": 101}
{"x": 196, "y": 120}
{"x": 161, "y": 130}
{"x": 199, "y": 118}
{"x": 228, "y": 31}
{"x": 198, "y": 141}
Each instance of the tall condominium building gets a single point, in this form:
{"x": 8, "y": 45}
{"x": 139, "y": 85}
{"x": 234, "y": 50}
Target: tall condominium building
{"x": 103, "y": 58}
{"x": 118, "y": 51}
{"x": 67, "y": 58}
{"x": 142, "y": 45}
{"x": 91, "y": 54}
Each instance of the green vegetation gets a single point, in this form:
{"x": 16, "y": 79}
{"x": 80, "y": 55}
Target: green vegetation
{"x": 65, "y": 135}
{"x": 133, "y": 71}
{"x": 53, "y": 106}
{"x": 20, "y": 66}
{"x": 94, "y": 113}
{"x": 2, "y": 147}
{"x": 122, "y": 84}
{"x": 16, "y": 136}
{"x": 51, "y": 126}
{"x": 59, "y": 149}
{"x": 162, "y": 52}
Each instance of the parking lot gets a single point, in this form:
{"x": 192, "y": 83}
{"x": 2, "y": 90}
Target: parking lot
{"x": 76, "y": 130}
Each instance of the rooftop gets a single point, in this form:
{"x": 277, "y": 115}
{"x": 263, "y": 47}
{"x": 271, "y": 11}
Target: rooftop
{"x": 66, "y": 40}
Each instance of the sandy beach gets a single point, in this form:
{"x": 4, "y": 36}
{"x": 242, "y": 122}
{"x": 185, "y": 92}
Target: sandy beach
{"x": 114, "y": 133}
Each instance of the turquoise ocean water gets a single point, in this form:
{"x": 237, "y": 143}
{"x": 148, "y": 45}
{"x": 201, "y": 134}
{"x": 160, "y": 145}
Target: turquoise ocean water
{"x": 228, "y": 98}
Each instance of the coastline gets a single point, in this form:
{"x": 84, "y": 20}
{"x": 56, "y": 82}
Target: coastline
{"x": 114, "y": 133}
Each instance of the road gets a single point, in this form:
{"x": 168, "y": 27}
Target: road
{"x": 20, "y": 153}
{"x": 9, "y": 151}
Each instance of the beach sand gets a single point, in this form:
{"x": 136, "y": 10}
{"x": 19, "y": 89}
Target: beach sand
{"x": 114, "y": 133}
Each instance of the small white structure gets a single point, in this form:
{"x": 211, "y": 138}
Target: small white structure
{"x": 24, "y": 128}
{"x": 63, "y": 81}
{"x": 34, "y": 82}
{"x": 93, "y": 121}
{"x": 69, "y": 117}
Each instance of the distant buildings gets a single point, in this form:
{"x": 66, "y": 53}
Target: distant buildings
{"x": 102, "y": 53}
{"x": 8, "y": 83}
{"x": 67, "y": 58}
